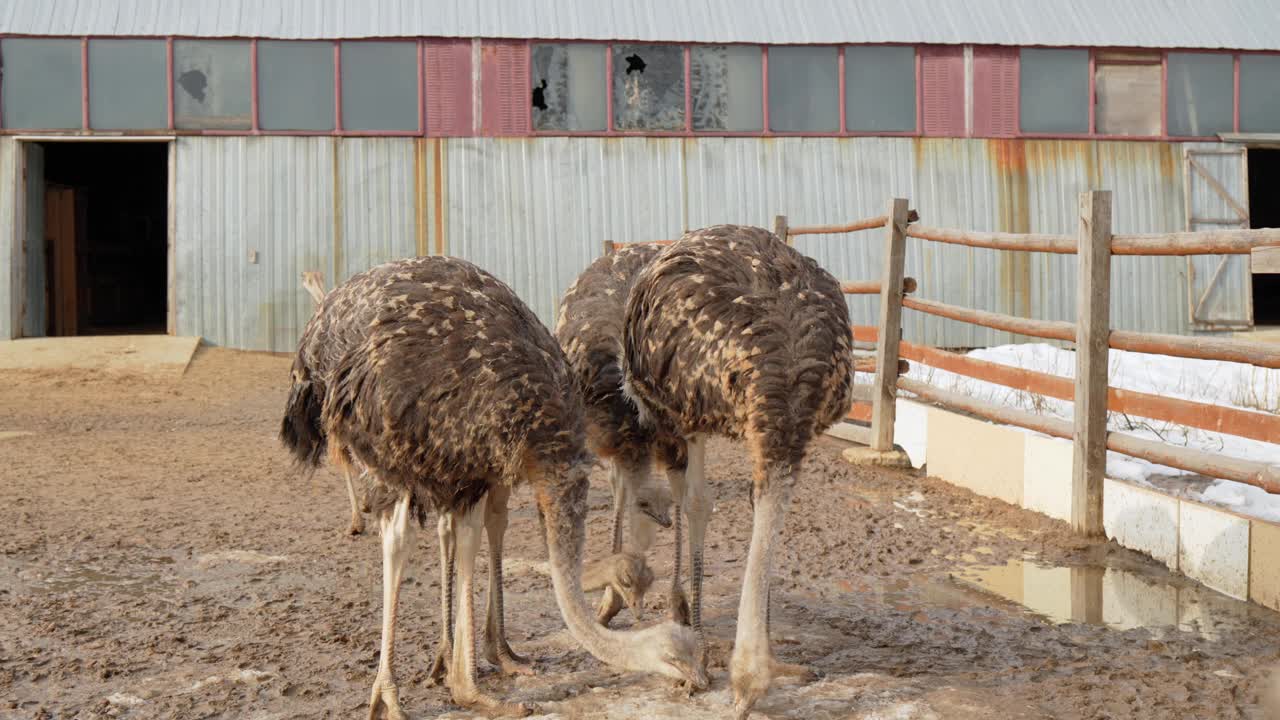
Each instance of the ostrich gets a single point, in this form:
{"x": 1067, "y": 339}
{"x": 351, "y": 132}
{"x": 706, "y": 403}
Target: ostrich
{"x": 313, "y": 283}
{"x": 590, "y": 329}
{"x": 435, "y": 377}
{"x": 732, "y": 332}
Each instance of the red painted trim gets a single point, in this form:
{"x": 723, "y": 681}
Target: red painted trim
{"x": 842, "y": 127}
{"x": 1235, "y": 92}
{"x": 168, "y": 73}
{"x": 764, "y": 91}
{"x": 255, "y": 128}
{"x": 1164, "y": 94}
{"x": 337, "y": 87}
{"x": 688, "y": 89}
{"x": 608, "y": 87}
{"x": 84, "y": 83}
{"x": 1093, "y": 94}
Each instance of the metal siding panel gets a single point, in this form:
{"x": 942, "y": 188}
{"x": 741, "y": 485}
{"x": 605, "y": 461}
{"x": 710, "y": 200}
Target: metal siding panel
{"x": 995, "y": 92}
{"x": 449, "y": 92}
{"x": 377, "y": 205}
{"x": 11, "y": 256}
{"x": 272, "y": 195}
{"x": 1239, "y": 24}
{"x": 505, "y": 88}
{"x": 535, "y": 212}
{"x": 942, "y": 90}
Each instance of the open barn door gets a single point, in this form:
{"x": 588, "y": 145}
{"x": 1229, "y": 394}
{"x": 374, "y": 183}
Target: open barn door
{"x": 35, "y": 281}
{"x": 1217, "y": 196}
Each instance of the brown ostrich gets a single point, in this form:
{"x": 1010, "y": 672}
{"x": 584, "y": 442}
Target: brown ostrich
{"x": 590, "y": 329}
{"x": 731, "y": 332}
{"x": 313, "y": 283}
{"x": 435, "y": 377}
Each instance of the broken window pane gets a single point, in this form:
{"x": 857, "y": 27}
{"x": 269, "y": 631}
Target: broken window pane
{"x": 127, "y": 85}
{"x": 804, "y": 89}
{"x": 648, "y": 87}
{"x": 1128, "y": 92}
{"x": 1200, "y": 94}
{"x": 212, "y": 85}
{"x": 1054, "y": 91}
{"x": 727, "y": 84}
{"x": 880, "y": 88}
{"x": 41, "y": 83}
{"x": 1260, "y": 93}
{"x": 295, "y": 85}
{"x": 568, "y": 87}
{"x": 379, "y": 86}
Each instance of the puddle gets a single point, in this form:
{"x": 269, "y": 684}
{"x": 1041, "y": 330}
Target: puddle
{"x": 88, "y": 578}
{"x": 1113, "y": 597}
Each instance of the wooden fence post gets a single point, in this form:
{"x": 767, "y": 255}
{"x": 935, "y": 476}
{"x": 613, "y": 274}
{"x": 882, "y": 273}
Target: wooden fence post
{"x": 1093, "y": 331}
{"x": 780, "y": 228}
{"x": 883, "y": 405}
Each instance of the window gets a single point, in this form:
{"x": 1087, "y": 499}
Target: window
{"x": 942, "y": 105}
{"x": 727, "y": 91}
{"x": 648, "y": 87}
{"x": 1128, "y": 93}
{"x": 1054, "y": 91}
{"x": 380, "y": 86}
{"x": 212, "y": 85}
{"x": 880, "y": 88}
{"x": 568, "y": 87}
{"x": 127, "y": 84}
{"x": 804, "y": 89}
{"x": 41, "y": 83}
{"x": 295, "y": 85}
{"x": 1200, "y": 94}
{"x": 1260, "y": 93}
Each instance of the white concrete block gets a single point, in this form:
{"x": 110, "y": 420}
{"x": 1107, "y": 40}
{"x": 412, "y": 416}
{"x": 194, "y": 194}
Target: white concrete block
{"x": 1142, "y": 520}
{"x": 1213, "y": 547}
{"x": 911, "y": 429}
{"x": 1046, "y": 476}
{"x": 985, "y": 458}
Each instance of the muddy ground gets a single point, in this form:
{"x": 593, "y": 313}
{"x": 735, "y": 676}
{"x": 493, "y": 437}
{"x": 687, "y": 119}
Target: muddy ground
{"x": 160, "y": 559}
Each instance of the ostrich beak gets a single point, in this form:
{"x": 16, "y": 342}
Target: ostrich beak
{"x": 661, "y": 517}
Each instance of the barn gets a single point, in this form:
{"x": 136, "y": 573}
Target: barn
{"x": 173, "y": 166}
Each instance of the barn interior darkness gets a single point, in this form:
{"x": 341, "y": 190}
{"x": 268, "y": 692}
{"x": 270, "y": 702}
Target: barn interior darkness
{"x": 106, "y": 235}
{"x": 1264, "y": 212}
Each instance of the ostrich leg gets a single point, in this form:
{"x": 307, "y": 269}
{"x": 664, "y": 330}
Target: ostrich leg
{"x": 752, "y": 668}
{"x": 611, "y": 602}
{"x": 677, "y": 601}
{"x": 397, "y": 537}
{"x": 462, "y": 675}
{"x": 440, "y": 666}
{"x": 496, "y": 649}
{"x": 357, "y": 520}
{"x": 697, "y": 505}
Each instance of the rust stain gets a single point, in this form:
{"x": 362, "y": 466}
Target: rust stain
{"x": 1170, "y": 165}
{"x": 1013, "y": 209}
{"x": 420, "y": 196}
{"x": 437, "y": 190}
{"x": 337, "y": 211}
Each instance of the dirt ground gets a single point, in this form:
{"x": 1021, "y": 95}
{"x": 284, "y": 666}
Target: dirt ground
{"x": 160, "y": 559}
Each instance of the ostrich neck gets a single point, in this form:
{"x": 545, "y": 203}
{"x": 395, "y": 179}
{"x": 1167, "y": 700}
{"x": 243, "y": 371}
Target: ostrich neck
{"x": 565, "y": 527}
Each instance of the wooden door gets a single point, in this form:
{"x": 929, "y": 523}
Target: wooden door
{"x": 60, "y": 239}
{"x": 1219, "y": 287}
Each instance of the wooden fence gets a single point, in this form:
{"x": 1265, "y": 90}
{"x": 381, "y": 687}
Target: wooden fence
{"x": 1094, "y": 244}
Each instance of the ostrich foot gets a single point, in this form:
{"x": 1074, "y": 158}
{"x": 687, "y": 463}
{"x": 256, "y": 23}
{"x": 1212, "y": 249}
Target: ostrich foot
{"x": 793, "y": 670}
{"x": 384, "y": 700}
{"x": 439, "y": 671}
{"x": 500, "y": 655}
{"x": 492, "y": 706}
{"x": 610, "y": 605}
{"x": 750, "y": 678}
{"x": 357, "y": 525}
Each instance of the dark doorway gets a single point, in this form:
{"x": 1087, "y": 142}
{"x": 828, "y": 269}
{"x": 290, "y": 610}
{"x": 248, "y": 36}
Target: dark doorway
{"x": 1264, "y": 212}
{"x": 106, "y": 237}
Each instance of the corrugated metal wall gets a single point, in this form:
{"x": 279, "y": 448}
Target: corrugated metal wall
{"x": 11, "y": 253}
{"x": 534, "y": 212}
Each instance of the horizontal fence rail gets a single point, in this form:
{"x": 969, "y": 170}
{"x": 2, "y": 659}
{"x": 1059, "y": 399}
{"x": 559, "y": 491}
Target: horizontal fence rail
{"x": 1253, "y": 473}
{"x": 1213, "y": 242}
